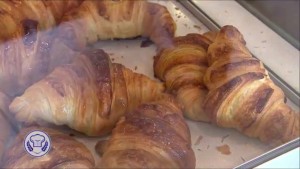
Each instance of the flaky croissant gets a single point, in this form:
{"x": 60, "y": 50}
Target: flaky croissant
{"x": 65, "y": 152}
{"x": 182, "y": 68}
{"x": 242, "y": 95}
{"x": 5, "y": 127}
{"x": 89, "y": 95}
{"x": 109, "y": 19}
{"x": 154, "y": 135}
{"x": 25, "y": 40}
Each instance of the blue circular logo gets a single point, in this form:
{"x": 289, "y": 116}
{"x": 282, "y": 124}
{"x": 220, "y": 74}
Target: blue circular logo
{"x": 37, "y": 143}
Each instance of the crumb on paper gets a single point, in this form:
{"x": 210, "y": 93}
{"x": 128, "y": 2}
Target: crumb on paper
{"x": 112, "y": 59}
{"x": 122, "y": 56}
{"x": 224, "y": 149}
{"x": 199, "y": 149}
{"x": 224, "y": 137}
{"x": 176, "y": 8}
{"x": 185, "y": 25}
{"x": 243, "y": 159}
{"x": 207, "y": 147}
{"x": 264, "y": 41}
{"x": 198, "y": 140}
{"x": 226, "y": 11}
{"x": 261, "y": 32}
{"x": 197, "y": 27}
{"x": 179, "y": 16}
{"x": 135, "y": 68}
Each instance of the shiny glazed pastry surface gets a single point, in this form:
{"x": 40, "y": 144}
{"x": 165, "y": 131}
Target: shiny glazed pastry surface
{"x": 242, "y": 95}
{"x": 182, "y": 67}
{"x": 28, "y": 42}
{"x": 89, "y": 95}
{"x": 25, "y": 40}
{"x": 155, "y": 135}
{"x": 100, "y": 20}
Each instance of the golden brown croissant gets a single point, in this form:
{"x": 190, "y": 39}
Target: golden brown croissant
{"x": 242, "y": 95}
{"x": 89, "y": 95}
{"x": 65, "y": 152}
{"x": 182, "y": 68}
{"x": 44, "y": 13}
{"x": 109, "y": 19}
{"x": 5, "y": 127}
{"x": 25, "y": 40}
{"x": 154, "y": 135}
{"x": 211, "y": 35}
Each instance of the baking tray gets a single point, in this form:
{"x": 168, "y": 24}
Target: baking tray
{"x": 206, "y": 138}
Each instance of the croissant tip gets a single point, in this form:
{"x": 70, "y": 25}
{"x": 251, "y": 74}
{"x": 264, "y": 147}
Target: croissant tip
{"x": 16, "y": 105}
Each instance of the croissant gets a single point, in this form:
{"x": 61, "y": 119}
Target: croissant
{"x": 65, "y": 152}
{"x": 89, "y": 95}
{"x": 109, "y": 19}
{"x": 5, "y": 127}
{"x": 25, "y": 40}
{"x": 182, "y": 68}
{"x": 242, "y": 95}
{"x": 154, "y": 135}
{"x": 211, "y": 35}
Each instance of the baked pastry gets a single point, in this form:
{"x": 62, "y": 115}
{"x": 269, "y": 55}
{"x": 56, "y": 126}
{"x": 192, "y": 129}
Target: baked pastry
{"x": 154, "y": 135}
{"x": 44, "y": 13}
{"x": 65, "y": 152}
{"x": 182, "y": 68}
{"x": 211, "y": 35}
{"x": 109, "y": 19}
{"x": 5, "y": 127}
{"x": 89, "y": 95}
{"x": 25, "y": 39}
{"x": 242, "y": 95}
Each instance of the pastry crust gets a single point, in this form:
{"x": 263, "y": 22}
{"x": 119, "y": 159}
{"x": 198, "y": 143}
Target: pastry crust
{"x": 5, "y": 127}
{"x": 182, "y": 67}
{"x": 26, "y": 38}
{"x": 154, "y": 135}
{"x": 65, "y": 152}
{"x": 89, "y": 95}
{"x": 242, "y": 95}
{"x": 101, "y": 20}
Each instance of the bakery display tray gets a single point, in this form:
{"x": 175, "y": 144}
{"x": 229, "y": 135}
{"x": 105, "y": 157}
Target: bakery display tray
{"x": 214, "y": 147}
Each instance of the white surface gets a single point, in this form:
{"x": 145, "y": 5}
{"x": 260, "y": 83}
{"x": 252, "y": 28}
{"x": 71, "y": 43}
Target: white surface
{"x": 290, "y": 159}
{"x": 263, "y": 42}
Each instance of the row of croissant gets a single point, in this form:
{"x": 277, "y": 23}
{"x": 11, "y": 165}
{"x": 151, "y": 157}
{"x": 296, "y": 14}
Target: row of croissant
{"x": 235, "y": 92}
{"x": 86, "y": 92}
{"x": 213, "y": 78}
